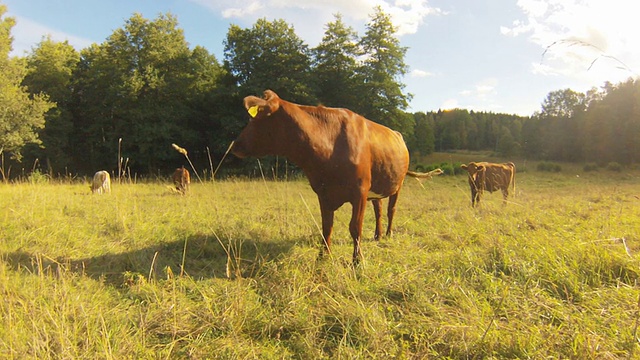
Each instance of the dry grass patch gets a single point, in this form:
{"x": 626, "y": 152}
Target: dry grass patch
{"x": 231, "y": 270}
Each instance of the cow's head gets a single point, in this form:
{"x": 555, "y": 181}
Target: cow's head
{"x": 473, "y": 169}
{"x": 264, "y": 133}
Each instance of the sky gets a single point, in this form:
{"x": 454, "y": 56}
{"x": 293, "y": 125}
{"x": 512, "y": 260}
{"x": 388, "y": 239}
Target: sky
{"x": 483, "y": 55}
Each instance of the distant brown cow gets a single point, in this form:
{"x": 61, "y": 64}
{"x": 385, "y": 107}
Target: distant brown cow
{"x": 490, "y": 177}
{"x": 346, "y": 157}
{"x": 181, "y": 180}
{"x": 101, "y": 182}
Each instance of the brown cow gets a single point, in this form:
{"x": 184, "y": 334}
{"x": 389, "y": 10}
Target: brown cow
{"x": 181, "y": 180}
{"x": 346, "y": 157}
{"x": 490, "y": 177}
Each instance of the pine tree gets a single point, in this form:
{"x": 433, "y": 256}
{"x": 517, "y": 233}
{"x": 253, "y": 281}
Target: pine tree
{"x": 382, "y": 94}
{"x": 336, "y": 65}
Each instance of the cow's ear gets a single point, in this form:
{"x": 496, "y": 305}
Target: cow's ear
{"x": 269, "y": 95}
{"x": 273, "y": 101}
{"x": 255, "y": 106}
{"x": 463, "y": 166}
{"x": 480, "y": 167}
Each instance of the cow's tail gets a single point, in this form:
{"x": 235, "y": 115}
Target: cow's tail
{"x": 427, "y": 175}
{"x": 513, "y": 177}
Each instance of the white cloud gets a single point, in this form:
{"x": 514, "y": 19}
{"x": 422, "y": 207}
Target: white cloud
{"x": 416, "y": 73}
{"x": 406, "y": 15}
{"x": 27, "y": 32}
{"x": 450, "y": 104}
{"x": 482, "y": 90}
{"x": 594, "y": 41}
{"x": 534, "y": 8}
{"x": 250, "y": 9}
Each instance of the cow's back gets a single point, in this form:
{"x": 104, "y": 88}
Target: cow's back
{"x": 181, "y": 179}
{"x": 360, "y": 149}
{"x": 101, "y": 182}
{"x": 498, "y": 176}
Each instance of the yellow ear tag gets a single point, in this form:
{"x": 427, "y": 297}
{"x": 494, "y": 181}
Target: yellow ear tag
{"x": 253, "y": 111}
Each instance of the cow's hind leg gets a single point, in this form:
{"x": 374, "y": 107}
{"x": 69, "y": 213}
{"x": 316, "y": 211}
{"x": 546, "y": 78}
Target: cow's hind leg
{"x": 377, "y": 209}
{"x": 391, "y": 211}
{"x": 505, "y": 195}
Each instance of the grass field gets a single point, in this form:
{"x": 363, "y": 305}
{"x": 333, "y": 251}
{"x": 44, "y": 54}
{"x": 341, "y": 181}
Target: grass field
{"x": 231, "y": 271}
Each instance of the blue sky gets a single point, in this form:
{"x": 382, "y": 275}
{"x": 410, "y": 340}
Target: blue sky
{"x": 483, "y": 55}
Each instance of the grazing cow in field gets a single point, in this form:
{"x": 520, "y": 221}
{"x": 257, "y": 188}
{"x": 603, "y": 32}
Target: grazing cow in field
{"x": 181, "y": 179}
{"x": 101, "y": 182}
{"x": 346, "y": 157}
{"x": 490, "y": 177}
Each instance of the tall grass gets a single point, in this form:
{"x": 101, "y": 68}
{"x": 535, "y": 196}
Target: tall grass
{"x": 232, "y": 271}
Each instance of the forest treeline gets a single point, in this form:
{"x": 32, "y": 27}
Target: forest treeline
{"x": 125, "y": 101}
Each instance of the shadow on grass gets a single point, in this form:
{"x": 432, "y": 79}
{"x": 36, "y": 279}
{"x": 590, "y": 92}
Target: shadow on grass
{"x": 198, "y": 256}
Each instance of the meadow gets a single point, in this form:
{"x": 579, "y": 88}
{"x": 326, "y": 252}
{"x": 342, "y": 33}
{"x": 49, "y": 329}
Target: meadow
{"x": 231, "y": 271}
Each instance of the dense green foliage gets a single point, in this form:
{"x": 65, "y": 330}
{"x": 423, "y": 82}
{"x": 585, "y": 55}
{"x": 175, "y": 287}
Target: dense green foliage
{"x": 122, "y": 103}
{"x": 143, "y": 85}
{"x": 337, "y": 78}
{"x": 21, "y": 114}
{"x": 50, "y": 71}
{"x": 269, "y": 56}
{"x": 231, "y": 271}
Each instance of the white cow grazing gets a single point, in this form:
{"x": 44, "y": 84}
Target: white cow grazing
{"x": 101, "y": 183}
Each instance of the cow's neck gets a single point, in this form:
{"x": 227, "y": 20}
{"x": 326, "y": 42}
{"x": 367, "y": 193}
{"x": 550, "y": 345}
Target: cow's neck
{"x": 309, "y": 142}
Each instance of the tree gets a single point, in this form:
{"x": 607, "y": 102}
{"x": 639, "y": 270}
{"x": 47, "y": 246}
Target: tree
{"x": 560, "y": 122}
{"x": 21, "y": 115}
{"x": 137, "y": 86}
{"x": 452, "y": 129}
{"x": 216, "y": 102}
{"x": 612, "y": 124}
{"x": 424, "y": 133}
{"x": 336, "y": 65}
{"x": 507, "y": 146}
{"x": 563, "y": 104}
{"x": 383, "y": 66}
{"x": 531, "y": 138}
{"x": 50, "y": 68}
{"x": 269, "y": 56}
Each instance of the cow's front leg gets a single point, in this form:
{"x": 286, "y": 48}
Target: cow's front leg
{"x": 476, "y": 199}
{"x": 355, "y": 226}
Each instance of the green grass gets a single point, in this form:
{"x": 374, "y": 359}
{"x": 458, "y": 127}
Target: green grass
{"x": 231, "y": 270}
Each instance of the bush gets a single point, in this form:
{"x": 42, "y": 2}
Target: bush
{"x": 549, "y": 167}
{"x": 447, "y": 168}
{"x": 614, "y": 166}
{"x": 590, "y": 167}
{"x": 457, "y": 170}
{"x": 37, "y": 177}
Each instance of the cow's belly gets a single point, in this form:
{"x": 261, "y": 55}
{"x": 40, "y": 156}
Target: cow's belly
{"x": 491, "y": 187}
{"x": 372, "y": 196}
{"x": 385, "y": 186}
